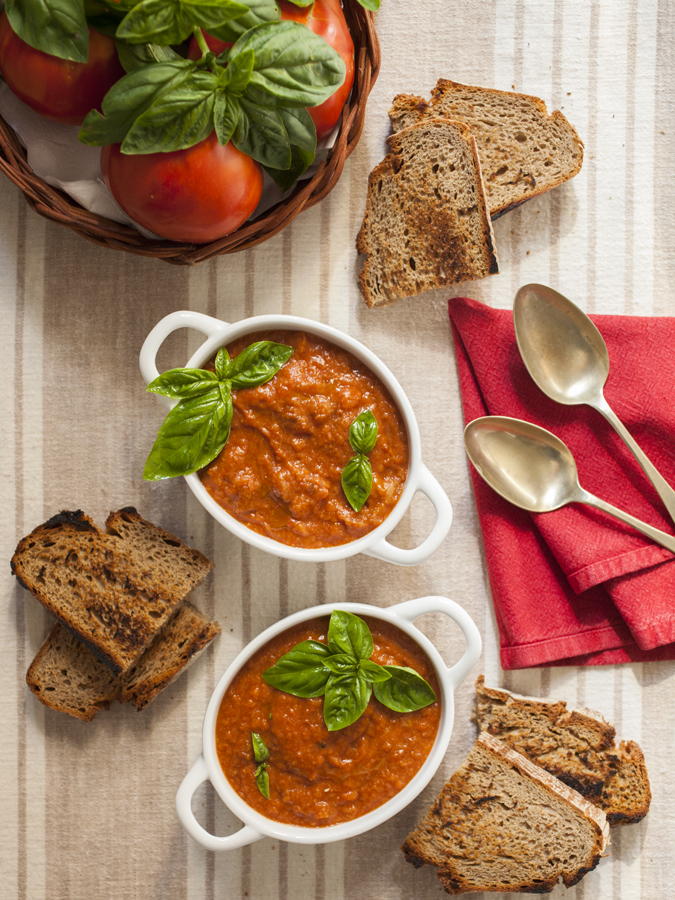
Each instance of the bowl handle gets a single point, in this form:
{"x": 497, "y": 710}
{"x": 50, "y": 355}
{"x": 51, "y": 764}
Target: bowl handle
{"x": 181, "y": 319}
{"x": 197, "y": 775}
{"x": 412, "y": 609}
{"x": 382, "y": 549}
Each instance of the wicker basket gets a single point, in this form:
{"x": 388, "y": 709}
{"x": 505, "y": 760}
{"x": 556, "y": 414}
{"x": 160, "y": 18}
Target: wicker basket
{"x": 59, "y": 207}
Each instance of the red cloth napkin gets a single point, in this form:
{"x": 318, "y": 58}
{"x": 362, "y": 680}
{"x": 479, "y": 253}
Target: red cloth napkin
{"x": 576, "y": 586}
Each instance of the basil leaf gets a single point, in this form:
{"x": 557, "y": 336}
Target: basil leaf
{"x": 301, "y": 2}
{"x": 258, "y": 363}
{"x": 237, "y": 74}
{"x": 171, "y": 21}
{"x": 225, "y": 116}
{"x": 357, "y": 481}
{"x": 57, "y": 27}
{"x": 301, "y": 671}
{"x": 137, "y": 56}
{"x": 405, "y": 691}
{"x": 191, "y": 436}
{"x": 300, "y": 128}
{"x": 262, "y": 779}
{"x": 363, "y": 432}
{"x": 286, "y": 178}
{"x": 372, "y": 5}
{"x": 222, "y": 363}
{"x": 260, "y": 134}
{"x": 349, "y": 634}
{"x": 260, "y": 751}
{"x": 260, "y": 11}
{"x": 346, "y": 699}
{"x": 373, "y": 672}
{"x": 214, "y": 16}
{"x": 180, "y": 117}
{"x": 128, "y": 98}
{"x": 341, "y": 664}
{"x": 293, "y": 66}
{"x": 183, "y": 383}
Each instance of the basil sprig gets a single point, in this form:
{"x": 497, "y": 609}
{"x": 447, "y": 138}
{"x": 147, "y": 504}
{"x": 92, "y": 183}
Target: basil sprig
{"x": 261, "y": 754}
{"x": 342, "y": 672}
{"x": 197, "y": 428}
{"x": 357, "y": 475}
{"x": 255, "y": 94}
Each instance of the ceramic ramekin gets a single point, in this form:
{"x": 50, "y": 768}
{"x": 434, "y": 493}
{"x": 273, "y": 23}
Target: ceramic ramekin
{"x": 419, "y": 477}
{"x": 256, "y": 826}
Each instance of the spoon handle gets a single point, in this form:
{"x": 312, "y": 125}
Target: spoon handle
{"x": 663, "y": 489}
{"x": 666, "y": 540}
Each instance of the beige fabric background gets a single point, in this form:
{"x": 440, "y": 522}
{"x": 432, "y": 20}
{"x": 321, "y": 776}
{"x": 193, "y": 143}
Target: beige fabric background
{"x": 87, "y": 810}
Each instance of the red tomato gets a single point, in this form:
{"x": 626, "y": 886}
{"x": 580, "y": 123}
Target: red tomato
{"x": 57, "y": 88}
{"x": 197, "y": 195}
{"x": 325, "y": 18}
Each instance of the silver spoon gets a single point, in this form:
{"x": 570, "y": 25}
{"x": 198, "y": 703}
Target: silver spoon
{"x": 533, "y": 469}
{"x": 567, "y": 358}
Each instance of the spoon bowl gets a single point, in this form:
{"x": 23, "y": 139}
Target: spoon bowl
{"x": 525, "y": 464}
{"x": 567, "y": 358}
{"x": 533, "y": 469}
{"x": 562, "y": 349}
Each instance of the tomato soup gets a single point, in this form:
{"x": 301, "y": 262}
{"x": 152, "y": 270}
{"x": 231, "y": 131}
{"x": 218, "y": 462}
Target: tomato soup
{"x": 280, "y": 471}
{"x": 319, "y": 777}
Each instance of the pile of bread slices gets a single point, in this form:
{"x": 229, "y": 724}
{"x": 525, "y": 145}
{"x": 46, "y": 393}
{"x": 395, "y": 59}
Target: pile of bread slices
{"x": 456, "y": 162}
{"x": 533, "y": 802}
{"x": 124, "y": 628}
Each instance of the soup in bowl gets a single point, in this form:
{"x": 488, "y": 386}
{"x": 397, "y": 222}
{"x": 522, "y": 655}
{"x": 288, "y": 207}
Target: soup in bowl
{"x": 277, "y": 483}
{"x": 280, "y": 767}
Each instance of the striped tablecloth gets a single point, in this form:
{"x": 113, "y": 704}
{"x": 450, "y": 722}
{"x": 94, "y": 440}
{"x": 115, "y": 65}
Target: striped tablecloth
{"x": 87, "y": 810}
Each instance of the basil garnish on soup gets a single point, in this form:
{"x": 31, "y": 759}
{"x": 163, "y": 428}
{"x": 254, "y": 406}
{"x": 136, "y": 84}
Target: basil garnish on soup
{"x": 261, "y": 754}
{"x": 357, "y": 475}
{"x": 342, "y": 672}
{"x": 197, "y": 428}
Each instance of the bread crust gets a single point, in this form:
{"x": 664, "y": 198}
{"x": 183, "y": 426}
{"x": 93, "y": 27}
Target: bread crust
{"x": 497, "y": 821}
{"x": 407, "y": 108}
{"x": 432, "y": 246}
{"x": 577, "y": 746}
{"x": 66, "y": 677}
{"x": 111, "y": 594}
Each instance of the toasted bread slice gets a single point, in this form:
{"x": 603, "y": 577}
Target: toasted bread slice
{"x": 426, "y": 222}
{"x": 67, "y": 677}
{"x": 577, "y": 746}
{"x": 503, "y": 824}
{"x": 184, "y": 638}
{"x": 523, "y": 150}
{"x": 114, "y": 590}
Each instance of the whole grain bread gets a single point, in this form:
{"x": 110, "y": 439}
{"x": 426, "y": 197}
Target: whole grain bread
{"x": 503, "y": 824}
{"x": 184, "y": 638}
{"x": 577, "y": 746}
{"x": 67, "y": 677}
{"x": 426, "y": 222}
{"x": 523, "y": 150}
{"x": 115, "y": 589}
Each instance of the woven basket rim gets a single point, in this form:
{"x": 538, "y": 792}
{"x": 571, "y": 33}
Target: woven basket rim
{"x": 57, "y": 206}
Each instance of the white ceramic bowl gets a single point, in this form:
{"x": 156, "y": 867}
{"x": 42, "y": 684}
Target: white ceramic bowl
{"x": 207, "y": 765}
{"x": 419, "y": 477}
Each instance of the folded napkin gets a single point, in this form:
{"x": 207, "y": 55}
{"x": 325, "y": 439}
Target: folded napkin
{"x": 576, "y": 586}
